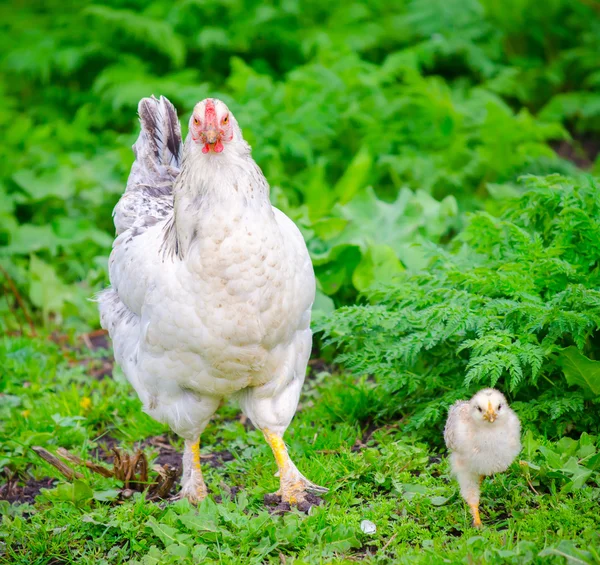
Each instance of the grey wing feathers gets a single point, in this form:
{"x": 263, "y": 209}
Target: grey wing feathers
{"x": 451, "y": 423}
{"x": 158, "y": 149}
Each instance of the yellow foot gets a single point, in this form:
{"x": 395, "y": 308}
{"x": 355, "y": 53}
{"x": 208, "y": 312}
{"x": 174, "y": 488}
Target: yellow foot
{"x": 295, "y": 488}
{"x": 194, "y": 492}
{"x": 301, "y": 499}
{"x": 299, "y": 490}
{"x": 192, "y": 484}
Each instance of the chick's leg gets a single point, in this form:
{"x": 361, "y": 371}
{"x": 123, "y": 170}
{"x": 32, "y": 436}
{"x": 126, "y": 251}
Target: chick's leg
{"x": 475, "y": 513}
{"x": 469, "y": 487}
{"x": 293, "y": 485}
{"x": 474, "y": 507}
{"x": 193, "y": 486}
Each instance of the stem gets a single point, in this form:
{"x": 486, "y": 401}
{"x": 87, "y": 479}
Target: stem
{"x": 20, "y": 301}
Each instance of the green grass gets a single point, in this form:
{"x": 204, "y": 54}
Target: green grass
{"x": 394, "y": 480}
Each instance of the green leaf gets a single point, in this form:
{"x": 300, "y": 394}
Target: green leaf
{"x": 77, "y": 492}
{"x": 59, "y": 183}
{"x": 530, "y": 445}
{"x": 178, "y": 550}
{"x": 340, "y": 538}
{"x": 81, "y": 491}
{"x": 106, "y": 495}
{"x": 322, "y": 306}
{"x": 146, "y": 31}
{"x": 354, "y": 177}
{"x": 579, "y": 475}
{"x": 566, "y": 446}
{"x": 378, "y": 265}
{"x": 328, "y": 228}
{"x": 167, "y": 534}
{"x": 28, "y": 238}
{"x": 593, "y": 463}
{"x": 579, "y": 370}
{"x": 317, "y": 192}
{"x": 570, "y": 552}
{"x": 553, "y": 459}
{"x": 412, "y": 218}
{"x": 46, "y": 290}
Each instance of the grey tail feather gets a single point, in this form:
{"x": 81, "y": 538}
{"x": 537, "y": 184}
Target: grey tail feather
{"x": 158, "y": 155}
{"x": 161, "y": 130}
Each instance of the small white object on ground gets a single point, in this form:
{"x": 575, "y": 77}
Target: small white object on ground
{"x": 368, "y": 527}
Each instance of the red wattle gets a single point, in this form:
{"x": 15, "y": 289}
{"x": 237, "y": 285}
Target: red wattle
{"x": 218, "y": 147}
{"x": 206, "y": 148}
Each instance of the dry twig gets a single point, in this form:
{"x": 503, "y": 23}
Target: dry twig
{"x": 78, "y": 461}
{"x": 389, "y": 541}
{"x": 65, "y": 470}
{"x": 132, "y": 470}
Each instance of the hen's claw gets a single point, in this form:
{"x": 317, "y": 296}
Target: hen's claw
{"x": 316, "y": 489}
{"x": 296, "y": 491}
{"x": 194, "y": 493}
{"x": 295, "y": 488}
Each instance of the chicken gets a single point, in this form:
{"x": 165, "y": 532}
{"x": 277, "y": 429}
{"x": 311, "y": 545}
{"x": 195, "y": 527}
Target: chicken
{"x": 211, "y": 287}
{"x": 483, "y": 436}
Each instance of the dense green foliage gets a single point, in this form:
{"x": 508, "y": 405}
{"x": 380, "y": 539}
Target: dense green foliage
{"x": 394, "y": 134}
{"x": 439, "y": 97}
{"x": 513, "y": 303}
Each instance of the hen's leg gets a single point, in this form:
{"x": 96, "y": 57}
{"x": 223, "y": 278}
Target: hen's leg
{"x": 193, "y": 486}
{"x": 293, "y": 485}
{"x": 188, "y": 415}
{"x": 271, "y": 408}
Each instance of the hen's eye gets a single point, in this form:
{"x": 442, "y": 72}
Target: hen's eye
{"x": 196, "y": 121}
{"x": 225, "y": 120}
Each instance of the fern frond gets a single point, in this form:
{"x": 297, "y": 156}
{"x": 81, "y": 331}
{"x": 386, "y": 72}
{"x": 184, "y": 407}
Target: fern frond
{"x": 495, "y": 312}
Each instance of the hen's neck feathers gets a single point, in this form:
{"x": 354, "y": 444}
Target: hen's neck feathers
{"x": 229, "y": 179}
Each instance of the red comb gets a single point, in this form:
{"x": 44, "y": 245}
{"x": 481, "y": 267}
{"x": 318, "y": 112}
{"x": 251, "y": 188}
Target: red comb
{"x": 210, "y": 113}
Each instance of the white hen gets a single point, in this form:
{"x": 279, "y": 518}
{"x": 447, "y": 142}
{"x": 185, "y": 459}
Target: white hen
{"x": 212, "y": 287}
{"x": 483, "y": 436}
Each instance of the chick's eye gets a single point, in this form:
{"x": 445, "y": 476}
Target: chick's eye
{"x": 499, "y": 406}
{"x": 479, "y": 408}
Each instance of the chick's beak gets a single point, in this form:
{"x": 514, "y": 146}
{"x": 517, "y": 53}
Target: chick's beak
{"x": 490, "y": 414}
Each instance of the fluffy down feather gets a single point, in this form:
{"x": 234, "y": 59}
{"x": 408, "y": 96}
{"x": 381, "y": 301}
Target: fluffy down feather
{"x": 483, "y": 436}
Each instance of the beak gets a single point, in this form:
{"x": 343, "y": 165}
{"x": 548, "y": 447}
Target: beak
{"x": 490, "y": 414}
{"x": 211, "y": 136}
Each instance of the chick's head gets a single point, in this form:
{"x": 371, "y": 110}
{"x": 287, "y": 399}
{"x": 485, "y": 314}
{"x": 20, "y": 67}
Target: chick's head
{"x": 488, "y": 406}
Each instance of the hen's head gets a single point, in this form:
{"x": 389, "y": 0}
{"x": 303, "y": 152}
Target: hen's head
{"x": 212, "y": 126}
{"x": 488, "y": 405}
